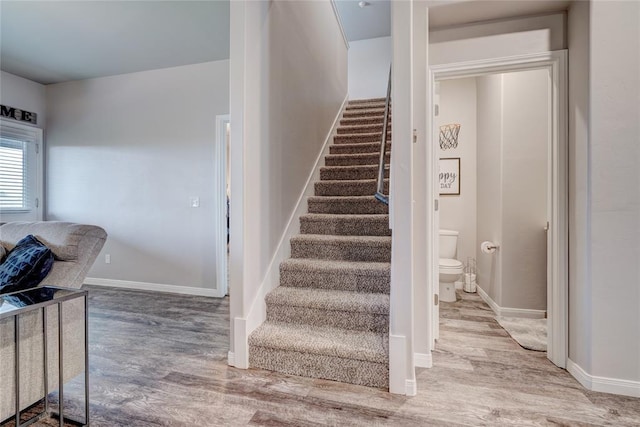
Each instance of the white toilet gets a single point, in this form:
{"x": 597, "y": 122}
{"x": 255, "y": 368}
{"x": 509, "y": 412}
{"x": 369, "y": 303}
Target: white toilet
{"x": 450, "y": 268}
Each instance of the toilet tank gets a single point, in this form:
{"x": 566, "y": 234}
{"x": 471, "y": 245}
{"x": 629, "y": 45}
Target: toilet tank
{"x": 448, "y": 243}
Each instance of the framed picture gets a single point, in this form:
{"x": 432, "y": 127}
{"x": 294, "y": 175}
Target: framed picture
{"x": 449, "y": 176}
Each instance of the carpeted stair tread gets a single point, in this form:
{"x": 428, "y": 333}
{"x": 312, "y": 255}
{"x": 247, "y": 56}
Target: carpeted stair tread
{"x": 365, "y": 106}
{"x": 360, "y": 302}
{"x": 357, "y": 345}
{"x": 375, "y": 111}
{"x": 322, "y": 307}
{"x": 354, "y": 121}
{"x": 357, "y": 172}
{"x": 360, "y": 128}
{"x": 353, "y": 138}
{"x": 362, "y": 187}
{"x": 345, "y": 224}
{"x": 358, "y": 148}
{"x": 355, "y": 159}
{"x": 355, "y": 276}
{"x": 347, "y": 248}
{"x": 367, "y": 101}
{"x": 346, "y": 205}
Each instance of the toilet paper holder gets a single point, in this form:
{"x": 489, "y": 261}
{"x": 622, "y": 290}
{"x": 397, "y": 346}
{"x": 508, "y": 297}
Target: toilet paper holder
{"x": 489, "y": 247}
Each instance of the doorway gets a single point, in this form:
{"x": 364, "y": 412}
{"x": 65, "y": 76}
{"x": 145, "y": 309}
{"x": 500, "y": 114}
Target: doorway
{"x": 222, "y": 190}
{"x": 552, "y": 65}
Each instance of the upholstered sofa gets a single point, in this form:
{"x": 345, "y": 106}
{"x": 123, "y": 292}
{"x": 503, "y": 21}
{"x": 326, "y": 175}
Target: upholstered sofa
{"x": 75, "y": 248}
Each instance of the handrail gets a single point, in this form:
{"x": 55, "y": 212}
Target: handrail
{"x": 383, "y": 147}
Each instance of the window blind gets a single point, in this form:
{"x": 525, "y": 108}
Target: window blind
{"x": 15, "y": 167}
{"x": 13, "y": 182}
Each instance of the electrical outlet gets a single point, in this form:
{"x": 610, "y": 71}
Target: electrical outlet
{"x": 107, "y": 259}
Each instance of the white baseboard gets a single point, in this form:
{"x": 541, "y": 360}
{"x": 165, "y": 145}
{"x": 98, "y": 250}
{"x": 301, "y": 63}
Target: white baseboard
{"x": 423, "y": 360}
{"x": 603, "y": 384}
{"x": 155, "y": 287}
{"x": 231, "y": 358}
{"x": 508, "y": 311}
{"x": 411, "y": 388}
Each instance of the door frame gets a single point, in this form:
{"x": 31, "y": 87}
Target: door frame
{"x": 220, "y": 212}
{"x": 557, "y": 271}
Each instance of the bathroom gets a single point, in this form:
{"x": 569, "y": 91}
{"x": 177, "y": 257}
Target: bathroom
{"x": 499, "y": 190}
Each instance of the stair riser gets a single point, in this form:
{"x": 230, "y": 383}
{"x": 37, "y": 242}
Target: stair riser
{"x": 368, "y": 159}
{"x": 355, "y": 321}
{"x": 337, "y": 281}
{"x": 344, "y": 251}
{"x": 360, "y": 129}
{"x": 368, "y": 206}
{"x": 339, "y": 227}
{"x": 360, "y": 148}
{"x": 320, "y": 366}
{"x": 340, "y": 174}
{"x": 356, "y": 138}
{"x": 348, "y": 188}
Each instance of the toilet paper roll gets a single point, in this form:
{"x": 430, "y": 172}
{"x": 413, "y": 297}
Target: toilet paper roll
{"x": 488, "y": 247}
{"x": 469, "y": 278}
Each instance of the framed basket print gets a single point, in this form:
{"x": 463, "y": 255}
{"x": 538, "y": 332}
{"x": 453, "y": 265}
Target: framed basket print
{"x": 449, "y": 176}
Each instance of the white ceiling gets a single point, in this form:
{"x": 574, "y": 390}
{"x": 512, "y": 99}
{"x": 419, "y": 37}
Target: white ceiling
{"x": 57, "y": 41}
{"x": 369, "y": 22}
{"x": 374, "y": 20}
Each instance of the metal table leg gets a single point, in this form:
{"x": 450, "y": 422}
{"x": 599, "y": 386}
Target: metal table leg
{"x": 60, "y": 367}
{"x": 45, "y": 357}
{"x": 17, "y": 368}
{"x": 86, "y": 359}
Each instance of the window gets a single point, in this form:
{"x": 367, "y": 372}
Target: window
{"x": 20, "y": 172}
{"x": 14, "y": 189}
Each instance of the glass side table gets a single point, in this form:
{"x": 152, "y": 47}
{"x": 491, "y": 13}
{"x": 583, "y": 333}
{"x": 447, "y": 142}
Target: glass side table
{"x": 17, "y": 303}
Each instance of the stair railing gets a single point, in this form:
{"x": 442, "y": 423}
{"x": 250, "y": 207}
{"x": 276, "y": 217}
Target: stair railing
{"x": 383, "y": 147}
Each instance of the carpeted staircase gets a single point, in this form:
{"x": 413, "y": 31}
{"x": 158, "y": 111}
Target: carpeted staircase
{"x": 329, "y": 318}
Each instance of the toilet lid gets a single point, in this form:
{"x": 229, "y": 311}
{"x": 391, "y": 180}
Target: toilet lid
{"x": 450, "y": 263}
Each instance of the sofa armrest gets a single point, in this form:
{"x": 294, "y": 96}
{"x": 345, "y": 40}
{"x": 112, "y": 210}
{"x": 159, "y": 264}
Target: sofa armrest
{"x": 75, "y": 247}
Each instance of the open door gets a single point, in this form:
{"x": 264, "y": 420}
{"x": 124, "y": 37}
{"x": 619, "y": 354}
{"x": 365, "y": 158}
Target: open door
{"x": 435, "y": 273}
{"x": 222, "y": 197}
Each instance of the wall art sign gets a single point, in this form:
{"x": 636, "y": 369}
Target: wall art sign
{"x": 449, "y": 176}
{"x": 17, "y": 114}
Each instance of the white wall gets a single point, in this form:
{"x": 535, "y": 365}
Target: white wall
{"x": 458, "y": 105}
{"x": 489, "y": 183}
{"x": 24, "y": 94}
{"x": 614, "y": 87}
{"x": 369, "y": 62}
{"x": 580, "y": 318}
{"x": 127, "y": 152}
{"x": 513, "y": 138}
{"x": 289, "y": 80}
{"x": 497, "y": 39}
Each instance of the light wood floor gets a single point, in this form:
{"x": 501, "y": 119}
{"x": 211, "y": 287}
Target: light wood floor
{"x": 160, "y": 360}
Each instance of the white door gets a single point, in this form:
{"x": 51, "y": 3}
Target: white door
{"x": 435, "y": 238}
{"x": 222, "y": 195}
